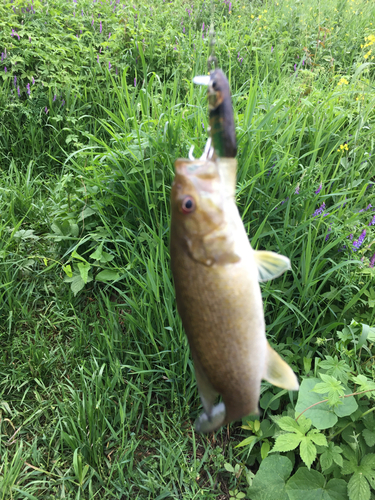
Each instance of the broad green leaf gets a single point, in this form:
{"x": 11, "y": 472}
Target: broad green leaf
{"x": 307, "y": 451}
{"x": 77, "y": 284}
{"x": 358, "y": 487}
{"x": 84, "y": 269}
{"x": 98, "y": 253}
{"x": 265, "y": 449}
{"x": 321, "y": 415}
{"x": 68, "y": 270}
{"x": 269, "y": 481}
{"x": 107, "y": 275}
{"x": 310, "y": 485}
{"x": 348, "y": 406}
{"x": 287, "y": 442}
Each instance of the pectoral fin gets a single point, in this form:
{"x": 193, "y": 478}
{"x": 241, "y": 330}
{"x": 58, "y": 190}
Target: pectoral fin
{"x": 270, "y": 264}
{"x": 279, "y": 373}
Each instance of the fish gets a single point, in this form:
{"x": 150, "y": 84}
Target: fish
{"x": 216, "y": 276}
{"x": 222, "y": 128}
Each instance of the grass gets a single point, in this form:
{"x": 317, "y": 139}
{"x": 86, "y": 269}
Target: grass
{"x": 97, "y": 388}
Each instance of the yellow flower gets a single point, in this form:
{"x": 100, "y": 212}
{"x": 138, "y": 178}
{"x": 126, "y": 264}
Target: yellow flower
{"x": 343, "y": 81}
{"x": 252, "y": 17}
{"x": 260, "y": 17}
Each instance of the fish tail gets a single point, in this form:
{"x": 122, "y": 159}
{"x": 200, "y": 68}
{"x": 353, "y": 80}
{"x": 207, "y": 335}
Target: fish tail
{"x": 210, "y": 422}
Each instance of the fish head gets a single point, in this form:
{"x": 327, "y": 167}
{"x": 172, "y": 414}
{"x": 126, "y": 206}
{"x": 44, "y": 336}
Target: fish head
{"x": 197, "y": 197}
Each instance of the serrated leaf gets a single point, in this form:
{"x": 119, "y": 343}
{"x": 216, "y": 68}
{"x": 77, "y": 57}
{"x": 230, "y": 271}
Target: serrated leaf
{"x": 317, "y": 437}
{"x": 310, "y": 485}
{"x": 289, "y": 424}
{"x": 326, "y": 460}
{"x": 287, "y": 442}
{"x": 348, "y": 467}
{"x": 369, "y": 437}
{"x": 269, "y": 481}
{"x": 304, "y": 423}
{"x": 330, "y": 455}
{"x": 368, "y": 461}
{"x": 348, "y": 406}
{"x": 307, "y": 451}
{"x": 358, "y": 487}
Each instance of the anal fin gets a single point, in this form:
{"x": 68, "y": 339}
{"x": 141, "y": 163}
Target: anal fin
{"x": 279, "y": 373}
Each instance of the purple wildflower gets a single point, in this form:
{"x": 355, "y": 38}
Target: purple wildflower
{"x": 109, "y": 36}
{"x": 319, "y": 210}
{"x": 135, "y": 82}
{"x": 183, "y": 29}
{"x": 319, "y": 189}
{"x": 54, "y": 98}
{"x": 203, "y": 27}
{"x": 372, "y": 261}
{"x": 109, "y": 64}
{"x": 328, "y": 233}
{"x": 5, "y": 69}
{"x": 101, "y": 27}
{"x": 46, "y": 110}
{"x": 30, "y": 39}
{"x": 358, "y": 243}
{"x": 18, "y": 92}
{"x": 33, "y": 81}
{"x": 297, "y": 190}
{"x": 350, "y": 237}
{"x": 63, "y": 102}
{"x": 372, "y": 221}
{"x": 230, "y": 6}
{"x": 295, "y": 67}
{"x": 271, "y": 49}
{"x": 15, "y": 81}
{"x": 28, "y": 88}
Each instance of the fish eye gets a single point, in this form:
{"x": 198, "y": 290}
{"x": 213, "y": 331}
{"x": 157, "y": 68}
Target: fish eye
{"x": 188, "y": 205}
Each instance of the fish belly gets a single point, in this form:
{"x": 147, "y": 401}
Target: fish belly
{"x": 222, "y": 313}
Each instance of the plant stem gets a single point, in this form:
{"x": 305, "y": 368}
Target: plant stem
{"x": 325, "y": 400}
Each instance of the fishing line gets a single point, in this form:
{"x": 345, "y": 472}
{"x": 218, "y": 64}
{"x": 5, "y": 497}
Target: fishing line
{"x": 212, "y": 60}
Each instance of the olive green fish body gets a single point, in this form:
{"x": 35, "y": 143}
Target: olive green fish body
{"x": 216, "y": 274}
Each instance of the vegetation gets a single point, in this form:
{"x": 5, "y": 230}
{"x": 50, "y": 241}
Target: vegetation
{"x": 97, "y": 389}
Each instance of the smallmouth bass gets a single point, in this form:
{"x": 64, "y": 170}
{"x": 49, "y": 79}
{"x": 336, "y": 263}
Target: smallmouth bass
{"x": 216, "y": 275}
